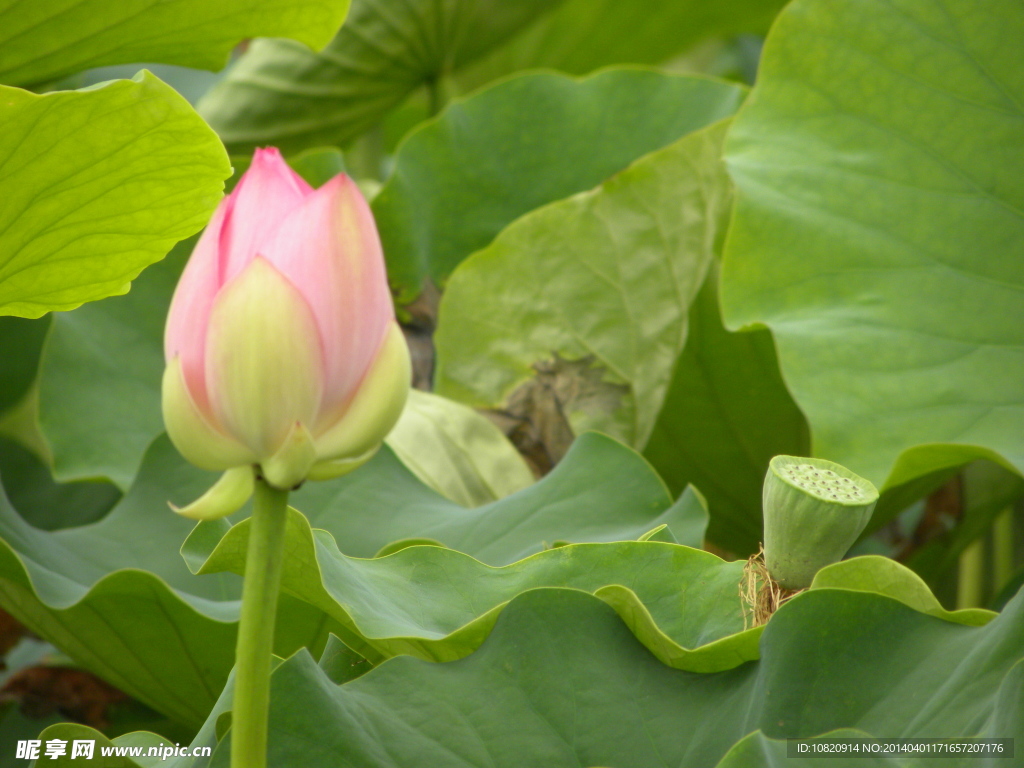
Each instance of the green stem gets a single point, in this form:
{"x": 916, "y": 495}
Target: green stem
{"x": 440, "y": 90}
{"x": 435, "y": 98}
{"x": 970, "y": 589}
{"x": 263, "y": 566}
{"x": 1002, "y": 549}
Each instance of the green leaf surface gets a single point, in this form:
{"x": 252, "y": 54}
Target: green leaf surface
{"x": 726, "y": 414}
{"x": 440, "y": 604}
{"x": 526, "y": 142}
{"x": 581, "y": 35}
{"x": 99, "y": 396}
{"x": 878, "y": 228}
{"x": 117, "y": 598}
{"x": 282, "y": 93}
{"x": 1011, "y": 588}
{"x": 829, "y": 658}
{"x": 601, "y": 491}
{"x": 456, "y": 451}
{"x": 340, "y": 663}
{"x": 45, "y": 41}
{"x": 207, "y": 737}
{"x": 16, "y": 726}
{"x": 21, "y": 343}
{"x": 757, "y": 750}
{"x": 44, "y": 503}
{"x": 880, "y": 575}
{"x": 98, "y": 184}
{"x": 610, "y": 273}
{"x": 562, "y": 683}
{"x": 70, "y": 732}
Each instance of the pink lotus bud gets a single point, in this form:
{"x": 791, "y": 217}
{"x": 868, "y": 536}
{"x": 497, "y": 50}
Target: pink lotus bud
{"x": 281, "y": 344}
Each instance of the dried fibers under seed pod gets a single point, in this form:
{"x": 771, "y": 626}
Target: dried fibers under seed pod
{"x": 760, "y": 594}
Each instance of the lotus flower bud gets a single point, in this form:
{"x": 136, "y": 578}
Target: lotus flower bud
{"x": 281, "y": 344}
{"x": 814, "y": 510}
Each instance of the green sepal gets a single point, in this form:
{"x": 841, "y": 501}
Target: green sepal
{"x": 288, "y": 467}
{"x": 814, "y": 510}
{"x": 226, "y": 496}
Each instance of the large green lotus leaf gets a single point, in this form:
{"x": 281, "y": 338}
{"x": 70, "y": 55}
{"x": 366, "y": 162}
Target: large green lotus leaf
{"x": 44, "y": 503}
{"x": 528, "y": 141}
{"x": 117, "y": 598}
{"x": 99, "y": 396}
{"x": 16, "y": 726}
{"x": 873, "y": 573}
{"x": 97, "y": 185}
{"x": 580, "y": 35}
{"x": 135, "y": 746}
{"x": 759, "y": 751}
{"x": 878, "y": 228}
{"x": 610, "y": 274}
{"x": 44, "y": 41}
{"x": 439, "y": 604}
{"x": 284, "y": 94}
{"x": 562, "y": 677}
{"x": 21, "y": 343}
{"x": 763, "y": 752}
{"x": 562, "y": 683}
{"x": 456, "y": 451}
{"x": 601, "y": 491}
{"x": 726, "y": 414}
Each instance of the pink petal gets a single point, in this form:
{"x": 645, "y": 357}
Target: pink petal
{"x": 187, "y": 318}
{"x": 264, "y": 196}
{"x": 329, "y": 248}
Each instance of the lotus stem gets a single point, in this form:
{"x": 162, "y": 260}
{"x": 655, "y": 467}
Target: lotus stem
{"x": 263, "y": 567}
{"x": 971, "y": 583}
{"x": 1002, "y": 549}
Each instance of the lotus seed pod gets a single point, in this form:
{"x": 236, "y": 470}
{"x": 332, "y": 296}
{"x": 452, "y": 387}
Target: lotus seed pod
{"x": 814, "y": 510}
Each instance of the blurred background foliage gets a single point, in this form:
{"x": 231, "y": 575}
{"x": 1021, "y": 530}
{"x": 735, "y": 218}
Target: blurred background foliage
{"x": 569, "y": 252}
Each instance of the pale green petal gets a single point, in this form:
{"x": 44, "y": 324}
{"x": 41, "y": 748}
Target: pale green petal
{"x": 377, "y": 405}
{"x": 192, "y": 434}
{"x": 264, "y": 365}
